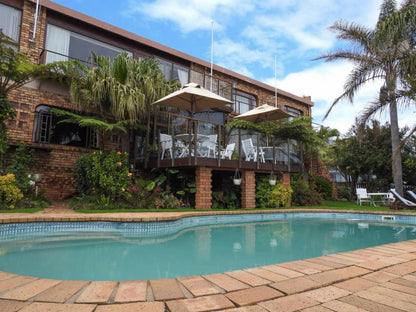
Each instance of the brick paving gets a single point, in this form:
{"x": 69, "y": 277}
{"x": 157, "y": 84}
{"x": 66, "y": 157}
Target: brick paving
{"x": 381, "y": 278}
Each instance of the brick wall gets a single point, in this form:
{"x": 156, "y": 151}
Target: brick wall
{"x": 248, "y": 190}
{"x": 203, "y": 196}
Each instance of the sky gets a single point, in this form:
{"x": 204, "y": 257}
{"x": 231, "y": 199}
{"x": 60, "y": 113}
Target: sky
{"x": 272, "y": 41}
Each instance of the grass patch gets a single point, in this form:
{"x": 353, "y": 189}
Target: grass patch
{"x": 337, "y": 204}
{"x": 22, "y": 210}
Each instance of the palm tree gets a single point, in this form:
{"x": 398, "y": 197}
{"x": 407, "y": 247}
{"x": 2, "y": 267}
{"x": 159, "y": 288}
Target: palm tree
{"x": 121, "y": 89}
{"x": 385, "y": 53}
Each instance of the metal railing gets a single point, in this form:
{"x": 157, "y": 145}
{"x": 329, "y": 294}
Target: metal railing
{"x": 181, "y": 140}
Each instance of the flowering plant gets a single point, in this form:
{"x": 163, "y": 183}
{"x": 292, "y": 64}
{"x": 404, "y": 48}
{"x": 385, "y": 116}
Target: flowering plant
{"x": 103, "y": 173}
{"x": 167, "y": 201}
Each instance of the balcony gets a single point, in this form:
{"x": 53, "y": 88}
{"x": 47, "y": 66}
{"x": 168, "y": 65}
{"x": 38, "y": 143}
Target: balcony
{"x": 184, "y": 142}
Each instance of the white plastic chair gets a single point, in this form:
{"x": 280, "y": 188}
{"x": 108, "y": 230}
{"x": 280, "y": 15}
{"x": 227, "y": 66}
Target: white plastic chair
{"x": 208, "y": 148}
{"x": 362, "y": 196}
{"x": 228, "y": 151}
{"x": 166, "y": 144}
{"x": 250, "y": 151}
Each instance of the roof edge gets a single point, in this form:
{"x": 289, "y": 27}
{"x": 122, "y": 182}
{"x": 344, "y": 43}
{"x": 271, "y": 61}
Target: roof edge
{"x": 155, "y": 45}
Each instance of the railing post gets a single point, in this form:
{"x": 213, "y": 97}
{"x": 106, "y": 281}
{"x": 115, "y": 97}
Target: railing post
{"x": 158, "y": 148}
{"x": 219, "y": 145}
{"x": 196, "y": 127}
{"x": 257, "y": 150}
{"x": 173, "y": 141}
{"x": 239, "y": 148}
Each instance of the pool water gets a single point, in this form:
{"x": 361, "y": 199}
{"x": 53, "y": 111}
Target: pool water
{"x": 198, "y": 250}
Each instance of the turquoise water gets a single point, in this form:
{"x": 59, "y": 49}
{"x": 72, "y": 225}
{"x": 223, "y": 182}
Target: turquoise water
{"x": 117, "y": 255}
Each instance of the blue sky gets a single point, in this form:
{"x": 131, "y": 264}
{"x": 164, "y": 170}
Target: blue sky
{"x": 249, "y": 35}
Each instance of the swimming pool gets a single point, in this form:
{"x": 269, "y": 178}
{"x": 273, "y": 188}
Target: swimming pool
{"x": 189, "y": 246}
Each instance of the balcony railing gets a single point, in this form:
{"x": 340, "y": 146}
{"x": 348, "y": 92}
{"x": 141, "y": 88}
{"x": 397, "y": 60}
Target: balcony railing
{"x": 182, "y": 141}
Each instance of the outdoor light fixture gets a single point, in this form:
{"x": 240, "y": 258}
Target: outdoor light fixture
{"x": 36, "y": 178}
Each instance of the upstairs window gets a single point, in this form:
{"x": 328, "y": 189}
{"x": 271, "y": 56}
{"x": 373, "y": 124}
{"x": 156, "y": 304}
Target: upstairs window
{"x": 243, "y": 102}
{"x": 293, "y": 111}
{"x": 47, "y": 129}
{"x": 174, "y": 71}
{"x": 10, "y": 21}
{"x": 62, "y": 44}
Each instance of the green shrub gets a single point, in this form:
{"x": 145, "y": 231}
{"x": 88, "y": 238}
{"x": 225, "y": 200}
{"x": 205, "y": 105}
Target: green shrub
{"x": 271, "y": 196}
{"x": 224, "y": 200}
{"x": 344, "y": 192}
{"x": 324, "y": 187}
{"x": 19, "y": 167}
{"x": 303, "y": 194}
{"x": 10, "y": 194}
{"x": 104, "y": 174}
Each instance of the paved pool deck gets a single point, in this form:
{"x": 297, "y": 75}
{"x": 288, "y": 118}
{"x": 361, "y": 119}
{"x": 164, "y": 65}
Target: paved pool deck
{"x": 381, "y": 278}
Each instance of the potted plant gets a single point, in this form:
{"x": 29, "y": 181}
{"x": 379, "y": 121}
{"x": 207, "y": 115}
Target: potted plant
{"x": 237, "y": 178}
{"x": 272, "y": 179}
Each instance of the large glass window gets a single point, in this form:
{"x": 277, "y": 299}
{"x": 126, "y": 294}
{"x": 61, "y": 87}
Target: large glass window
{"x": 293, "y": 111}
{"x": 174, "y": 71}
{"x": 62, "y": 44}
{"x": 10, "y": 21}
{"x": 243, "y": 102}
{"x": 47, "y": 129}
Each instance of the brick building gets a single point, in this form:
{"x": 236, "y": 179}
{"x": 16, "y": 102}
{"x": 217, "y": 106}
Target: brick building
{"x": 59, "y": 33}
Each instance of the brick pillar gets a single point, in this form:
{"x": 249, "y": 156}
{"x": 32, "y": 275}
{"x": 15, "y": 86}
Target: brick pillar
{"x": 203, "y": 188}
{"x": 248, "y": 190}
{"x": 286, "y": 182}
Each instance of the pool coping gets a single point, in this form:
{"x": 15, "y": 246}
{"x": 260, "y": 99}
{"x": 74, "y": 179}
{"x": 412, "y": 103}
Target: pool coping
{"x": 383, "y": 275}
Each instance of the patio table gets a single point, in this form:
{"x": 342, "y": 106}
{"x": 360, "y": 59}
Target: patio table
{"x": 379, "y": 198}
{"x": 188, "y": 140}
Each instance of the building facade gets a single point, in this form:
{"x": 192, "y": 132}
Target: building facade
{"x": 49, "y": 32}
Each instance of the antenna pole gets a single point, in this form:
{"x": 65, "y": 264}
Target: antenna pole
{"x": 275, "y": 82}
{"x": 212, "y": 52}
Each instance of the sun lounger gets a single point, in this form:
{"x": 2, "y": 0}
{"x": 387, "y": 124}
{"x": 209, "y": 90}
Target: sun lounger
{"x": 401, "y": 202}
{"x": 412, "y": 194}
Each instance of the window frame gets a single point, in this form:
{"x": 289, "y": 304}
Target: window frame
{"x": 79, "y": 36}
{"x": 17, "y": 24}
{"x": 251, "y": 101}
{"x": 45, "y": 123}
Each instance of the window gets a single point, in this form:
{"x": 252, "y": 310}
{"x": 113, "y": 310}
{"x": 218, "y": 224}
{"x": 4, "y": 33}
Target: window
{"x": 293, "y": 111}
{"x": 47, "y": 129}
{"x": 10, "y": 21}
{"x": 62, "y": 44}
{"x": 243, "y": 102}
{"x": 174, "y": 71}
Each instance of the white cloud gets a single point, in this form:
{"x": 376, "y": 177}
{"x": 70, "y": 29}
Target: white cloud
{"x": 324, "y": 83}
{"x": 190, "y": 15}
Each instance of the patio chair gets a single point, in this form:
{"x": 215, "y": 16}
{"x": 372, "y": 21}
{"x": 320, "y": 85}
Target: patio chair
{"x": 250, "y": 151}
{"x": 401, "y": 202}
{"x": 228, "y": 151}
{"x": 165, "y": 141}
{"x": 208, "y": 148}
{"x": 412, "y": 194}
{"x": 362, "y": 196}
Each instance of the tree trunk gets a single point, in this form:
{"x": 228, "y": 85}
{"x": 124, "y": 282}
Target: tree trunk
{"x": 396, "y": 155}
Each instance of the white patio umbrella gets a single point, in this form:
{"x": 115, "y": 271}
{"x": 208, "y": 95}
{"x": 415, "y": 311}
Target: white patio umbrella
{"x": 193, "y": 98}
{"x": 264, "y": 113}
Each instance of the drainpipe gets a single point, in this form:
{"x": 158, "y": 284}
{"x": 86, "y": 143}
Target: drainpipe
{"x": 36, "y": 21}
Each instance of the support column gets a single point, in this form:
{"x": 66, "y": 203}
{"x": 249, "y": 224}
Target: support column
{"x": 248, "y": 190}
{"x": 203, "y": 196}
